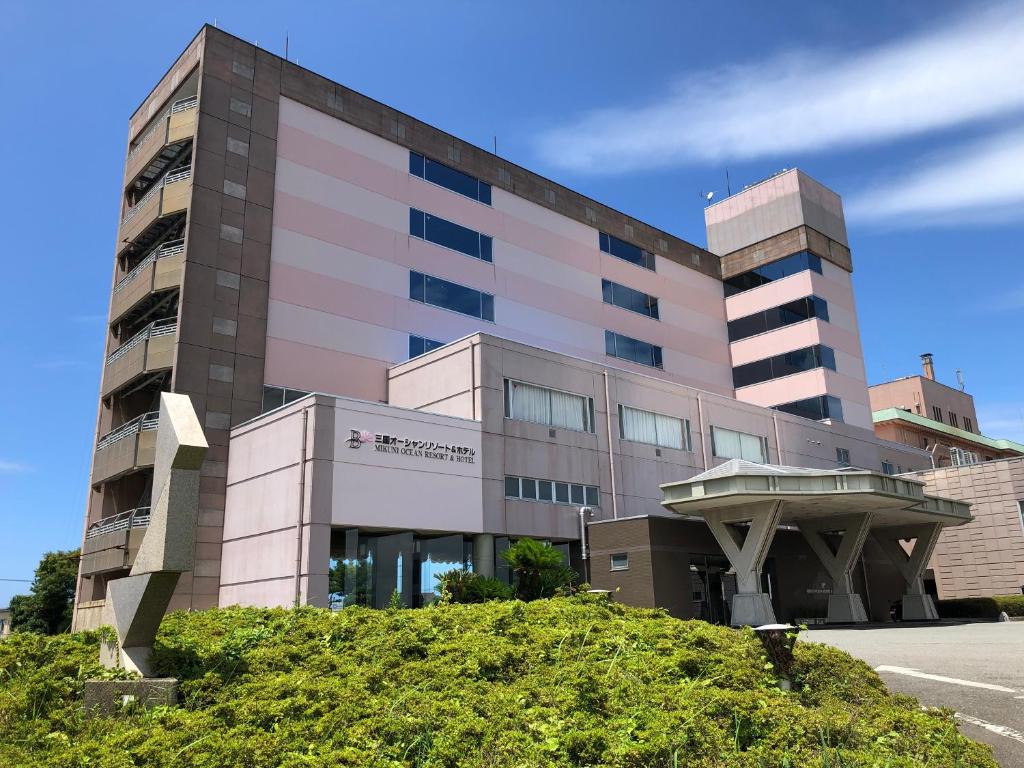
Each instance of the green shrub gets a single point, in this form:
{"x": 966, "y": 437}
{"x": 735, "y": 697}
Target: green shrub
{"x": 462, "y": 586}
{"x": 560, "y": 682}
{"x": 981, "y": 607}
{"x": 539, "y": 570}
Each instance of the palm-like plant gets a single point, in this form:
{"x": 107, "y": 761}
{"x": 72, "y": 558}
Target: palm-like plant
{"x": 539, "y": 569}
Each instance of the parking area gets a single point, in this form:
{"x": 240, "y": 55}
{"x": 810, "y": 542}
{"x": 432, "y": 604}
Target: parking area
{"x": 976, "y": 670}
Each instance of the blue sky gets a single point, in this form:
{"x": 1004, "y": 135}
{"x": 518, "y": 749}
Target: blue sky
{"x": 913, "y": 112}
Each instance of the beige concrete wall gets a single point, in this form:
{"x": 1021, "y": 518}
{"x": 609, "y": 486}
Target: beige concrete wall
{"x": 986, "y": 556}
{"x": 920, "y": 395}
{"x": 441, "y": 382}
{"x": 342, "y": 483}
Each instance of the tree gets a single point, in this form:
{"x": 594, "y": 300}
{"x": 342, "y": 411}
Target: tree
{"x": 539, "y": 569}
{"x": 47, "y": 608}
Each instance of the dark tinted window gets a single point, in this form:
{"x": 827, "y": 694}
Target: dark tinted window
{"x": 419, "y": 345}
{"x": 816, "y": 408}
{"x": 629, "y": 298}
{"x": 457, "y": 298}
{"x": 449, "y": 234}
{"x": 445, "y": 176}
{"x": 626, "y": 251}
{"x": 790, "y": 265}
{"x": 634, "y": 350}
{"x": 806, "y": 359}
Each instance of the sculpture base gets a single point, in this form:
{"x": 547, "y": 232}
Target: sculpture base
{"x": 919, "y": 607}
{"x": 751, "y": 609}
{"x": 846, "y": 609}
{"x": 109, "y": 697}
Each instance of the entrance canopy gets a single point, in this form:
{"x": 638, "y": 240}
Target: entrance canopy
{"x": 836, "y": 510}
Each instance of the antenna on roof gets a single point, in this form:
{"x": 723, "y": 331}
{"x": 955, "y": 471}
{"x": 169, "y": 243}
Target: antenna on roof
{"x": 495, "y": 146}
{"x": 728, "y": 186}
{"x": 960, "y": 379}
{"x": 215, "y": 23}
{"x": 286, "y": 45}
{"x": 706, "y": 197}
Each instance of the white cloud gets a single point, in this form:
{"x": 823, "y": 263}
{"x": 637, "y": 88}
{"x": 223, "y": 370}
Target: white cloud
{"x": 13, "y": 467}
{"x": 965, "y": 70}
{"x": 982, "y": 182}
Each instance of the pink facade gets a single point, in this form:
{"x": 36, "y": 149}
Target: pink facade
{"x": 766, "y": 212}
{"x": 339, "y": 307}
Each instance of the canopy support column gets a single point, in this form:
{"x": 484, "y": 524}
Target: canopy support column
{"x": 917, "y": 605}
{"x": 750, "y": 606}
{"x": 844, "y": 604}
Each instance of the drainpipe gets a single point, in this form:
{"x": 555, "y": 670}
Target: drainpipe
{"x": 472, "y": 378}
{"x": 704, "y": 433}
{"x": 778, "y": 443}
{"x": 585, "y": 512}
{"x": 302, "y": 504}
{"x": 611, "y": 450}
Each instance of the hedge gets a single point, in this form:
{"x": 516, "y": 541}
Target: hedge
{"x": 562, "y": 682}
{"x": 981, "y": 607}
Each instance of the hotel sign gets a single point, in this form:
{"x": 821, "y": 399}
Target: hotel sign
{"x": 407, "y": 446}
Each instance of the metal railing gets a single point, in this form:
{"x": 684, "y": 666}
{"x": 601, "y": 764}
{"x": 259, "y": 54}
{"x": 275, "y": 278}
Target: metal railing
{"x": 170, "y": 248}
{"x": 123, "y": 521}
{"x": 178, "y": 175}
{"x": 163, "y": 327}
{"x": 146, "y": 421}
{"x": 181, "y": 105}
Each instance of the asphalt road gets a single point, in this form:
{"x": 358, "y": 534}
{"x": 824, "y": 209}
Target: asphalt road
{"x": 975, "y": 669}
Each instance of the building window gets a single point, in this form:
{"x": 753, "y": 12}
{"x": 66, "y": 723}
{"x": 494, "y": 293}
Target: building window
{"x": 419, "y": 345}
{"x": 953, "y": 420}
{"x": 654, "y": 429}
{"x": 843, "y": 457}
{"x": 629, "y": 298}
{"x": 446, "y": 295}
{"x": 937, "y": 413}
{"x": 786, "y": 364}
{"x": 531, "y": 489}
{"x": 962, "y": 458}
{"x": 778, "y": 317}
{"x": 634, "y": 350}
{"x": 275, "y": 397}
{"x": 814, "y": 408}
{"x": 627, "y": 251}
{"x": 443, "y": 175}
{"x": 1020, "y": 509}
{"x": 729, "y": 444}
{"x": 790, "y": 265}
{"x": 528, "y": 402}
{"x": 968, "y": 424}
{"x": 448, "y": 234}
{"x": 620, "y": 561}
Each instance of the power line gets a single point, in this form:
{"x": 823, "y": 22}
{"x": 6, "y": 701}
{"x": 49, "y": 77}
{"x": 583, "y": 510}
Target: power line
{"x": 23, "y": 581}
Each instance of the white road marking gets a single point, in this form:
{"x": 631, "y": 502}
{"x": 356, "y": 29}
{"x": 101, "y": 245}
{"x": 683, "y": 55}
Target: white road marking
{"x": 1002, "y": 730}
{"x": 939, "y": 678}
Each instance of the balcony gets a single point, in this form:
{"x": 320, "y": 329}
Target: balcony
{"x": 112, "y": 543}
{"x": 162, "y": 141}
{"x": 125, "y": 449}
{"x": 159, "y": 271}
{"x": 148, "y": 351}
{"x": 167, "y": 196}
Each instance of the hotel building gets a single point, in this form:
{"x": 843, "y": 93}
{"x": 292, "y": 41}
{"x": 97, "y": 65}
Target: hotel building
{"x": 407, "y": 351}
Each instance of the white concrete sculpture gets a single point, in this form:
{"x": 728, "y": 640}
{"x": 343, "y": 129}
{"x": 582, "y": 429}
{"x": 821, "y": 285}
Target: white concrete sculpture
{"x": 136, "y": 604}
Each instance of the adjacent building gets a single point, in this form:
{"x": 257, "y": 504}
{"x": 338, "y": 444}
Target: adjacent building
{"x": 935, "y": 417}
{"x": 407, "y": 351}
